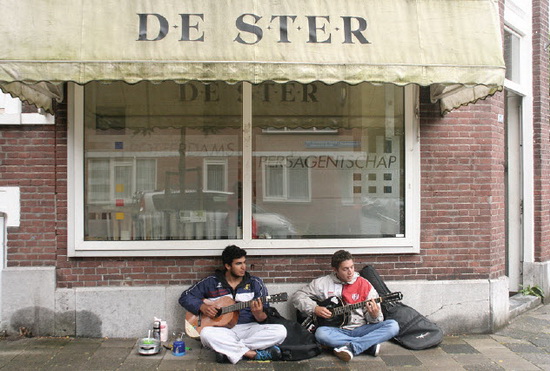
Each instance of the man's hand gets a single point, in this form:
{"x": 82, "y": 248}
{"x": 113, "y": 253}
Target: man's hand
{"x": 209, "y": 308}
{"x": 372, "y": 308}
{"x": 322, "y": 312}
{"x": 257, "y": 309}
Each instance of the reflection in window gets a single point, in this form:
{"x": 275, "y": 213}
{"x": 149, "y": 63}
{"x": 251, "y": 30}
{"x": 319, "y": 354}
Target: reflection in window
{"x": 165, "y": 161}
{"x": 162, "y": 161}
{"x": 362, "y": 143}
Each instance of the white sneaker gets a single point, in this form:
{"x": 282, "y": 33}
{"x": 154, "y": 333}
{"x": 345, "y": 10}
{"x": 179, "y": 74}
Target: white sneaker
{"x": 344, "y": 353}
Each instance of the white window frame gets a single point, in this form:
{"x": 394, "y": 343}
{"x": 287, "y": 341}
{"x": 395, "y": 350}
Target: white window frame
{"x": 208, "y": 162}
{"x": 285, "y": 197}
{"x": 11, "y": 113}
{"x": 78, "y": 247}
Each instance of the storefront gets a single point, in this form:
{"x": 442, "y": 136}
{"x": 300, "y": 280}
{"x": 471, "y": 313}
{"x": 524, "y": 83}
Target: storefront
{"x": 290, "y": 129}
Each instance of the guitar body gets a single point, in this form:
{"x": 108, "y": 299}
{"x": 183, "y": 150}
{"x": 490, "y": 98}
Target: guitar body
{"x": 195, "y": 323}
{"x": 336, "y": 320}
{"x": 341, "y": 313}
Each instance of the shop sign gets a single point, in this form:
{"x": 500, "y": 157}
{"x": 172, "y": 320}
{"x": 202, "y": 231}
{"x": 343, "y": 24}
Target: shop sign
{"x": 249, "y": 28}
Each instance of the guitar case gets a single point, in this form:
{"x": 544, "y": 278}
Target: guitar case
{"x": 299, "y": 342}
{"x": 415, "y": 330}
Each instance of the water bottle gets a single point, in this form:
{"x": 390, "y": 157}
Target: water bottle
{"x": 156, "y": 330}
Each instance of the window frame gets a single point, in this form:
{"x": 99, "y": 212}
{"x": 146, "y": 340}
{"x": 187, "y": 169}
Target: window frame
{"x": 215, "y": 162}
{"x": 286, "y": 196}
{"x": 78, "y": 247}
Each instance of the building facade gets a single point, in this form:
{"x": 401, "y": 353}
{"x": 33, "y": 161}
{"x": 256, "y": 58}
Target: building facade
{"x": 130, "y": 193}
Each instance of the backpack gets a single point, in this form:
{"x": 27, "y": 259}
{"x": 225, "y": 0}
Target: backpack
{"x": 299, "y": 342}
{"x": 415, "y": 330}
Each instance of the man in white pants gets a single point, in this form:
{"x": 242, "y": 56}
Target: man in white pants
{"x": 249, "y": 338}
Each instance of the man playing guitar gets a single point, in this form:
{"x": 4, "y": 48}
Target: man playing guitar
{"x": 365, "y": 328}
{"x": 248, "y": 338}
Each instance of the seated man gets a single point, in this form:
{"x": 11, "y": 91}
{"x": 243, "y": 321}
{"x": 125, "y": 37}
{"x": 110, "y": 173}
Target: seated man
{"x": 248, "y": 338}
{"x": 366, "y": 328}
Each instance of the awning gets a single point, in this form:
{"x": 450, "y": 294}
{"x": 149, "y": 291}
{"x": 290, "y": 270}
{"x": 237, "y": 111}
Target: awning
{"x": 446, "y": 43}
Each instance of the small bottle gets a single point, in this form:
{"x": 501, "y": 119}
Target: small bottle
{"x": 163, "y": 331}
{"x": 156, "y": 330}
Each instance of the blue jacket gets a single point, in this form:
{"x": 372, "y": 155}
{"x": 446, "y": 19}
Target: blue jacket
{"x": 216, "y": 286}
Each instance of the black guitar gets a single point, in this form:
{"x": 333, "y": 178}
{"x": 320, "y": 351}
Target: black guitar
{"x": 341, "y": 312}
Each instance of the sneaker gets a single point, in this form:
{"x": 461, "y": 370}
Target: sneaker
{"x": 221, "y": 358}
{"x": 344, "y": 353}
{"x": 374, "y": 350}
{"x": 270, "y": 354}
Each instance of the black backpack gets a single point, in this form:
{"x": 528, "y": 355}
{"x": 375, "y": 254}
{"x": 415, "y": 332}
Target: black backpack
{"x": 415, "y": 330}
{"x": 299, "y": 343}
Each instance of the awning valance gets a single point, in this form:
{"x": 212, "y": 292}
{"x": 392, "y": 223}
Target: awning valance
{"x": 425, "y": 42}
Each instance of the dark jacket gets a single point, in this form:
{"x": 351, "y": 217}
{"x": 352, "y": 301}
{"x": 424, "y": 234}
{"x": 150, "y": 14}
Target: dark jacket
{"x": 216, "y": 286}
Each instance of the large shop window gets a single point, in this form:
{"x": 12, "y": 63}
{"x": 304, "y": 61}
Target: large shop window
{"x": 185, "y": 169}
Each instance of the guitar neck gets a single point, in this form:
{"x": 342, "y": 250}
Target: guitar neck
{"x": 350, "y": 307}
{"x": 240, "y": 305}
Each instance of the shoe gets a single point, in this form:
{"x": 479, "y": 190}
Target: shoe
{"x": 344, "y": 353}
{"x": 270, "y": 354}
{"x": 374, "y": 350}
{"x": 221, "y": 358}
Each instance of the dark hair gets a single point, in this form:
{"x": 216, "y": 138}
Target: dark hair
{"x": 338, "y": 257}
{"x": 231, "y": 253}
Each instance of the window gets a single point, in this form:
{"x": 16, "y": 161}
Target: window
{"x": 215, "y": 175}
{"x": 285, "y": 183}
{"x": 170, "y": 169}
{"x": 15, "y": 112}
{"x": 512, "y": 56}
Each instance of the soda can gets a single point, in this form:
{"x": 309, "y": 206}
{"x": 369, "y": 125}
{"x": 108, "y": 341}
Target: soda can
{"x": 178, "y": 348}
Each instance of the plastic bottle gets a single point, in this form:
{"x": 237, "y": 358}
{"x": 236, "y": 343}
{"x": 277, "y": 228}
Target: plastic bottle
{"x": 163, "y": 331}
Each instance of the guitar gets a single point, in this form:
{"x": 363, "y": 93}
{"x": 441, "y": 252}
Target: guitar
{"x": 341, "y": 313}
{"x": 227, "y": 316}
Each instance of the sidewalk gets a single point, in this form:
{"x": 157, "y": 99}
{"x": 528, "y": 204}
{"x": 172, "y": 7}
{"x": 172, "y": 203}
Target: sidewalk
{"x": 522, "y": 345}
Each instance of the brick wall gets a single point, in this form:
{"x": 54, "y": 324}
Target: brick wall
{"x": 28, "y": 160}
{"x": 462, "y": 210}
{"x": 541, "y": 126}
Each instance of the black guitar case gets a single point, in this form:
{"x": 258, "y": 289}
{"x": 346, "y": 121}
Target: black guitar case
{"x": 415, "y": 330}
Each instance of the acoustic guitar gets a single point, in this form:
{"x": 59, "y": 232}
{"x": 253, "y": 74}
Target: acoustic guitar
{"x": 227, "y": 316}
{"x": 341, "y": 313}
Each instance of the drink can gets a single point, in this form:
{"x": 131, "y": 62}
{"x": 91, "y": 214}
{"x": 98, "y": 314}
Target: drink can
{"x": 178, "y": 348}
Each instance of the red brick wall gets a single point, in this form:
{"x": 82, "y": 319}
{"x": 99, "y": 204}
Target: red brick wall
{"x": 462, "y": 210}
{"x": 28, "y": 159}
{"x": 541, "y": 140}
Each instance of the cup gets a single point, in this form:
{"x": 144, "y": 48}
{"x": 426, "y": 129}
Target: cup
{"x": 178, "y": 348}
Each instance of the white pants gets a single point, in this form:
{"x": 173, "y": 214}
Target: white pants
{"x": 235, "y": 342}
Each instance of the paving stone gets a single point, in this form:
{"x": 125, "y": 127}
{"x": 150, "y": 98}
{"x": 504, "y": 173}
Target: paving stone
{"x": 458, "y": 348}
{"x": 537, "y": 358}
{"x": 508, "y": 340}
{"x": 483, "y": 367}
{"x": 118, "y": 343}
{"x": 401, "y": 361}
{"x": 484, "y": 343}
{"x": 516, "y": 363}
{"x": 472, "y": 359}
{"x": 524, "y": 348}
